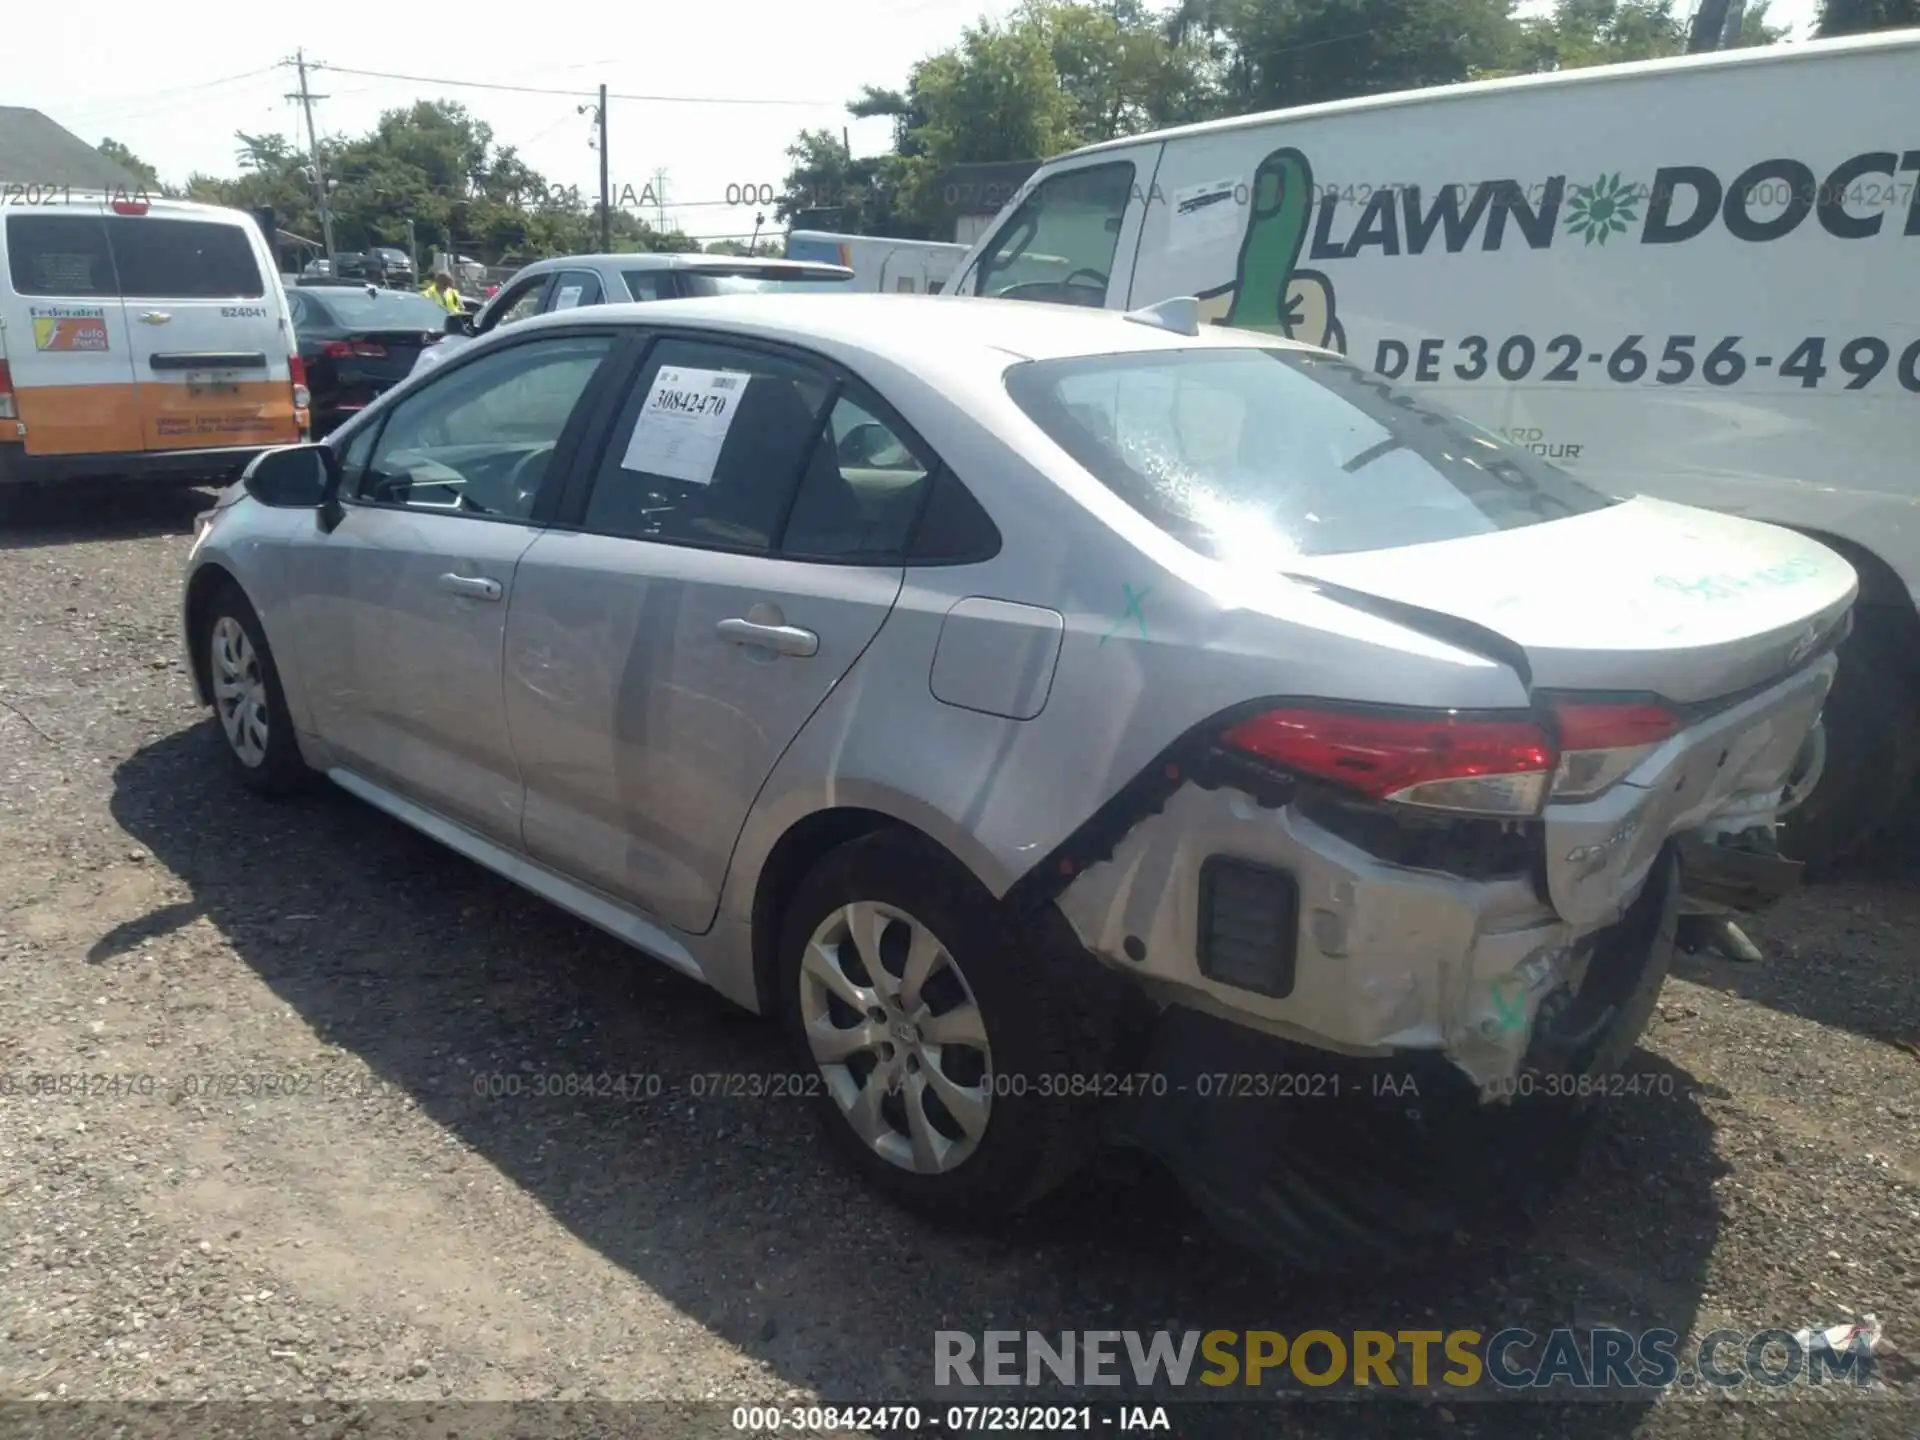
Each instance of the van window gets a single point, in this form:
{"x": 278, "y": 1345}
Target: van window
{"x": 59, "y": 255}
{"x": 1257, "y": 455}
{"x": 1060, "y": 243}
{"x": 166, "y": 259}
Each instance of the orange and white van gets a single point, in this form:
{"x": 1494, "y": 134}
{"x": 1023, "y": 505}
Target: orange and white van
{"x": 139, "y": 338}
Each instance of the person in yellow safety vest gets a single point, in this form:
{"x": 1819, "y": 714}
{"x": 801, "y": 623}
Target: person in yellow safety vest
{"x": 443, "y": 292}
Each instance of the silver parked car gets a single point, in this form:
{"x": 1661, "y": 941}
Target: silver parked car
{"x": 571, "y": 282}
{"x": 1055, "y": 717}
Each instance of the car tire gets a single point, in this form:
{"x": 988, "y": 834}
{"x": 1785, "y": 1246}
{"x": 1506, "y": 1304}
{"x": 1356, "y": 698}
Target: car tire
{"x": 253, "y": 726}
{"x": 1872, "y": 736}
{"x": 973, "y": 1162}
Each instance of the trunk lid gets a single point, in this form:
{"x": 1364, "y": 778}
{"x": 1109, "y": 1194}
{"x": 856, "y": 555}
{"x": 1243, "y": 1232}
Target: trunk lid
{"x": 401, "y": 348}
{"x": 1644, "y": 596}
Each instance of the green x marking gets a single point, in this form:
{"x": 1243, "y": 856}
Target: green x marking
{"x": 1510, "y": 999}
{"x": 1132, "y": 612}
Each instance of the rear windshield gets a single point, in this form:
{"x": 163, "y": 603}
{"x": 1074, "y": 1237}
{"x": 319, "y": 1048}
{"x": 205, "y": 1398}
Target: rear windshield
{"x": 1258, "y": 454}
{"x": 149, "y": 257}
{"x": 59, "y": 255}
{"x": 749, "y": 282}
{"x": 1264, "y": 454}
{"x": 388, "y": 310}
{"x": 161, "y": 259}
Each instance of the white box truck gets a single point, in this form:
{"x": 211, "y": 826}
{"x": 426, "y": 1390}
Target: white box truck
{"x": 915, "y": 267}
{"x": 1695, "y": 278}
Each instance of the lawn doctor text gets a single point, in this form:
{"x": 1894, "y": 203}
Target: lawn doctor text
{"x": 1603, "y": 1359}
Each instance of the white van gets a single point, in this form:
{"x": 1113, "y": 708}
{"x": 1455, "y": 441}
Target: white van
{"x": 1698, "y": 278}
{"x": 139, "y": 338}
{"x": 879, "y": 263}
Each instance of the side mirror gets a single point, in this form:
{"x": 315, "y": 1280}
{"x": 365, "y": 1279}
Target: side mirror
{"x": 458, "y": 325}
{"x": 293, "y": 477}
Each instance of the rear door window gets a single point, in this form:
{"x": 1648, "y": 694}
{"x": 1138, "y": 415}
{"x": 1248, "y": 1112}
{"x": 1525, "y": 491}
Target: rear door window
{"x": 573, "y": 289}
{"x": 64, "y": 255}
{"x": 1261, "y": 454}
{"x": 1059, "y": 245}
{"x": 650, "y": 284}
{"x": 709, "y": 447}
{"x": 166, "y": 259}
{"x": 861, "y": 493}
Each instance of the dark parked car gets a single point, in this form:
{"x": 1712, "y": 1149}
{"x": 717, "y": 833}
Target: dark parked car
{"x": 394, "y": 264}
{"x": 358, "y": 341}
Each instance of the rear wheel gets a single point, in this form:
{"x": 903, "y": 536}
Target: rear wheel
{"x": 1871, "y": 739}
{"x": 937, "y": 1040}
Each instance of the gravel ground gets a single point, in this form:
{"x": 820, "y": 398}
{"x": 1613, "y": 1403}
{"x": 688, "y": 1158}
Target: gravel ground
{"x": 385, "y": 1234}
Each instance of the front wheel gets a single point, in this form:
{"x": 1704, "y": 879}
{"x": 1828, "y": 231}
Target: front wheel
{"x": 940, "y": 1043}
{"x": 256, "y": 728}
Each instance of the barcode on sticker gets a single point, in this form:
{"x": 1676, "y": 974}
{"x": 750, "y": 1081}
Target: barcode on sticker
{"x": 727, "y": 382}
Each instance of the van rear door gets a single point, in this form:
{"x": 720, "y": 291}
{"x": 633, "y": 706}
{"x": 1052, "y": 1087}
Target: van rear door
{"x": 204, "y": 319}
{"x": 66, "y": 334}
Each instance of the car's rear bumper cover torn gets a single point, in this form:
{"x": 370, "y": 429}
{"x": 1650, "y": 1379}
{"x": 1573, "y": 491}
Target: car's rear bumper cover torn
{"x": 1389, "y": 958}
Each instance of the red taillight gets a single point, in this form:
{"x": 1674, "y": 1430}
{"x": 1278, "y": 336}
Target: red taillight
{"x": 7, "y": 411}
{"x": 130, "y": 207}
{"x": 336, "y": 349}
{"x": 1602, "y": 741}
{"x": 297, "y": 374}
{"x": 1442, "y": 761}
{"x": 345, "y": 349}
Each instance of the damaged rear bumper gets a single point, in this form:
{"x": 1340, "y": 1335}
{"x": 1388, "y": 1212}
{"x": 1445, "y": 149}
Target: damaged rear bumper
{"x": 1369, "y": 935}
{"x": 1310, "y": 1158}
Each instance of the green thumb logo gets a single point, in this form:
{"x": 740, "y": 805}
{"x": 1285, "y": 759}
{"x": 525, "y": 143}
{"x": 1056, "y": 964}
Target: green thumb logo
{"x": 1269, "y": 293}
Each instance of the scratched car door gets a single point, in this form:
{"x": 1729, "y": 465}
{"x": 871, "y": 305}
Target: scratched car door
{"x": 661, "y": 652}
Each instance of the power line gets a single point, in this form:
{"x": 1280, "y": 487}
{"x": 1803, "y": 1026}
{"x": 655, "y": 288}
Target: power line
{"x": 571, "y": 94}
{"x": 142, "y": 97}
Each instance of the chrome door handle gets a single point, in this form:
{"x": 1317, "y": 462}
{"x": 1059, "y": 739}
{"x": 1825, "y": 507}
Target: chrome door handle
{"x": 782, "y": 639}
{"x": 474, "y": 587}
{"x": 155, "y": 317}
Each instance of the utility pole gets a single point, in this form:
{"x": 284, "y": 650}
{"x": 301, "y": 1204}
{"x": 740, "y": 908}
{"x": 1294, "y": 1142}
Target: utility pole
{"x": 606, "y": 212}
{"x": 1736, "y": 22}
{"x": 660, "y": 198}
{"x": 1709, "y": 26}
{"x": 600, "y": 144}
{"x": 306, "y": 99}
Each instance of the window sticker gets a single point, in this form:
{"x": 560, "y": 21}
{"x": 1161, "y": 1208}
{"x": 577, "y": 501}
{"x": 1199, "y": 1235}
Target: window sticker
{"x": 684, "y": 423}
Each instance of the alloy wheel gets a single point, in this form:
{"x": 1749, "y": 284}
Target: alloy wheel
{"x": 239, "y": 691}
{"x": 898, "y": 1036}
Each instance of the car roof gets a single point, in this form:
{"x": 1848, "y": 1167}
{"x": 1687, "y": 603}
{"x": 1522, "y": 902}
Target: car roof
{"x": 665, "y": 260}
{"x": 89, "y": 202}
{"x": 920, "y": 333}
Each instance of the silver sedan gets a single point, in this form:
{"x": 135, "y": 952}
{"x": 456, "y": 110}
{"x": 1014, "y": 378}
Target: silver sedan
{"x": 1073, "y": 726}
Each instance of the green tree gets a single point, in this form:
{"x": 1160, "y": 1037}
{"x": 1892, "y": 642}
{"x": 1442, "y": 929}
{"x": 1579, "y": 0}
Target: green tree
{"x": 826, "y": 188}
{"x": 1121, "y": 72}
{"x": 145, "y": 174}
{"x": 1855, "y": 17}
{"x": 1271, "y": 54}
{"x": 1607, "y": 32}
